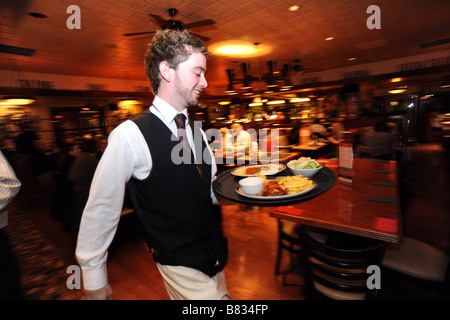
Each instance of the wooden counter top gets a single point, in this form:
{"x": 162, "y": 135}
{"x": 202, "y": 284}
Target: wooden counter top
{"x": 369, "y": 206}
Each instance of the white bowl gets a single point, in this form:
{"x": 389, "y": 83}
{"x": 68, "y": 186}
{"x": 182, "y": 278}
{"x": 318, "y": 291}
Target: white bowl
{"x": 307, "y": 173}
{"x": 252, "y": 185}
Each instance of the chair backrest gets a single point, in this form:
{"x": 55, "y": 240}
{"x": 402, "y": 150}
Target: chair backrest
{"x": 337, "y": 264}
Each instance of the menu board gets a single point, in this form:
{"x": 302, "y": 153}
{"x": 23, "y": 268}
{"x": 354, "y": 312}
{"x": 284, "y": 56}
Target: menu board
{"x": 345, "y": 169}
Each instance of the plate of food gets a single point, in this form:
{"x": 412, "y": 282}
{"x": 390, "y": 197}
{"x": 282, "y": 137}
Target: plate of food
{"x": 281, "y": 188}
{"x": 258, "y": 169}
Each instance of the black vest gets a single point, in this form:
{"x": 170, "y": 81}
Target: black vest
{"x": 174, "y": 203}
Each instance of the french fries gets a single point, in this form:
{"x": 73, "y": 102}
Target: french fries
{"x": 295, "y": 184}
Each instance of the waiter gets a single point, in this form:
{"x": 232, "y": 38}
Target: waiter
{"x": 173, "y": 199}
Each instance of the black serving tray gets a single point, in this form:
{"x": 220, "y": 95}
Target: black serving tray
{"x": 226, "y": 183}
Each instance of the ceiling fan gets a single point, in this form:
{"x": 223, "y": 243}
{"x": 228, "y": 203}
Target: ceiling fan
{"x": 174, "y": 24}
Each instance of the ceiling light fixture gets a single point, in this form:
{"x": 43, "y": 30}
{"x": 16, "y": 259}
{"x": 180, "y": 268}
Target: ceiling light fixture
{"x": 37, "y": 15}
{"x": 239, "y": 49}
{"x": 445, "y": 82}
{"x": 272, "y": 78}
{"x": 396, "y": 79}
{"x": 295, "y": 7}
{"x": 17, "y": 100}
{"x": 398, "y": 90}
{"x": 276, "y": 102}
{"x": 329, "y": 38}
{"x": 294, "y": 100}
{"x": 128, "y": 102}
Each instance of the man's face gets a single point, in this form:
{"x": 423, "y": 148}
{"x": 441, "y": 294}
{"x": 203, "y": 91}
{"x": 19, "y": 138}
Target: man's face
{"x": 190, "y": 80}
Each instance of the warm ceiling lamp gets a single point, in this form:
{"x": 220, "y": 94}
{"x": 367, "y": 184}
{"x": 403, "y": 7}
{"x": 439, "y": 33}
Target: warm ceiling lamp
{"x": 446, "y": 82}
{"x": 398, "y": 90}
{"x": 294, "y": 100}
{"x": 396, "y": 79}
{"x": 234, "y": 49}
{"x": 129, "y": 101}
{"x": 17, "y": 100}
{"x": 295, "y": 8}
{"x": 276, "y": 102}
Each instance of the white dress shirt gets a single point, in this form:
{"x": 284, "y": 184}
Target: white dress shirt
{"x": 126, "y": 155}
{"x": 9, "y": 187}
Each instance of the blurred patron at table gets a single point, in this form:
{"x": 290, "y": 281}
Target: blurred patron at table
{"x": 318, "y": 130}
{"x": 240, "y": 138}
{"x": 294, "y": 134}
{"x": 62, "y": 196}
{"x": 336, "y": 137}
{"x": 81, "y": 174}
{"x": 378, "y": 142}
{"x": 224, "y": 143}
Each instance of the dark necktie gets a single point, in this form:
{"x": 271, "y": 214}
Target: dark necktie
{"x": 180, "y": 120}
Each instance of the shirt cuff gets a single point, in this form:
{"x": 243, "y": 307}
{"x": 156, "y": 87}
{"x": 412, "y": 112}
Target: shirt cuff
{"x": 3, "y": 218}
{"x": 95, "y": 279}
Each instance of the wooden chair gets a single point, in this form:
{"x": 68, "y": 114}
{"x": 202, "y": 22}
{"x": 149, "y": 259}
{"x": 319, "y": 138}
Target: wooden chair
{"x": 289, "y": 241}
{"x": 337, "y": 265}
{"x": 417, "y": 269}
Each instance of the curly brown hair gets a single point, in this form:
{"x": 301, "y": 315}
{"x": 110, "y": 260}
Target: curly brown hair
{"x": 172, "y": 46}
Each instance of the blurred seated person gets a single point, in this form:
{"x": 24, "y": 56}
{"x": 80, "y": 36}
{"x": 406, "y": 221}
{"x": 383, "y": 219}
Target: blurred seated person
{"x": 241, "y": 138}
{"x": 318, "y": 130}
{"x": 225, "y": 140}
{"x": 42, "y": 162}
{"x": 294, "y": 135}
{"x": 81, "y": 174}
{"x": 271, "y": 139}
{"x": 337, "y": 133}
{"x": 378, "y": 142}
{"x": 336, "y": 137}
{"x": 62, "y": 196}
{"x": 102, "y": 142}
{"x": 25, "y": 139}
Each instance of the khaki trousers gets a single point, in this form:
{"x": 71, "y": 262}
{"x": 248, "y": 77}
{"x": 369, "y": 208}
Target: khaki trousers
{"x": 183, "y": 283}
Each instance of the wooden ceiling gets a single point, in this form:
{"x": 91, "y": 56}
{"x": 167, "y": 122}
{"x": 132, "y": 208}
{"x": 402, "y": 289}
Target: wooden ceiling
{"x": 100, "y": 49}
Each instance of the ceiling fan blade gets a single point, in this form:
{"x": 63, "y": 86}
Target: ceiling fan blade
{"x": 137, "y": 33}
{"x": 203, "y": 38}
{"x": 199, "y": 24}
{"x": 161, "y": 21}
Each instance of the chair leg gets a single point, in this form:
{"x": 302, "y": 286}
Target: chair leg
{"x": 293, "y": 265}
{"x": 278, "y": 261}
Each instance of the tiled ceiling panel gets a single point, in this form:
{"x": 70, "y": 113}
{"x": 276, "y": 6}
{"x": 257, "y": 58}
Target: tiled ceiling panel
{"x": 100, "y": 48}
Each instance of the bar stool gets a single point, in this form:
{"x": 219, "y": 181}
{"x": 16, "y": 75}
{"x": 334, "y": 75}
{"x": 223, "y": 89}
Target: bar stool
{"x": 337, "y": 264}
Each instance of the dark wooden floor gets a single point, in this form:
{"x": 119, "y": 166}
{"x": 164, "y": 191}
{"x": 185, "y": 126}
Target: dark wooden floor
{"x": 252, "y": 235}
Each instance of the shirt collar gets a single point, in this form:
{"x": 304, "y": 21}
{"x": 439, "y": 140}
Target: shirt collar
{"x": 166, "y": 110}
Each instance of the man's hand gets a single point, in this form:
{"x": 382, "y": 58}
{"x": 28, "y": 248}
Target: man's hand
{"x": 104, "y": 293}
